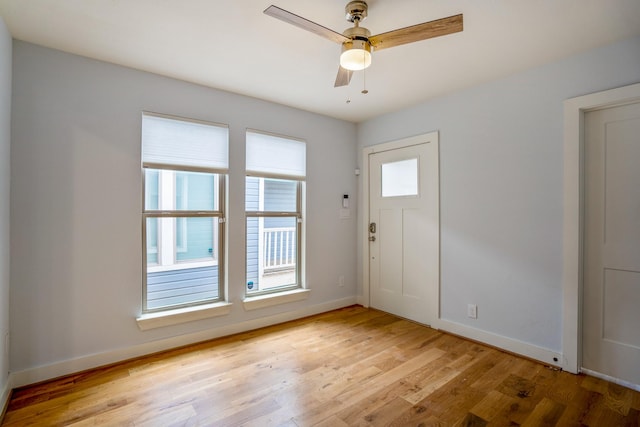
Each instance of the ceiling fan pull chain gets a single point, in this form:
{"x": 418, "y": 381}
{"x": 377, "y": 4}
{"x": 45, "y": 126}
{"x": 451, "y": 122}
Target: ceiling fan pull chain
{"x": 364, "y": 80}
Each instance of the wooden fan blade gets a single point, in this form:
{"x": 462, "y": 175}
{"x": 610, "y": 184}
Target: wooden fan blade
{"x": 305, "y": 24}
{"x": 343, "y": 78}
{"x": 414, "y": 33}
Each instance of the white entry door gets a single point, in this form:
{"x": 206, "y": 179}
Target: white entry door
{"x": 404, "y": 228}
{"x": 611, "y": 317}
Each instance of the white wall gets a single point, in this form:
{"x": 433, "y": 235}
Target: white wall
{"x": 501, "y": 148}
{"x": 5, "y": 136}
{"x": 76, "y": 203}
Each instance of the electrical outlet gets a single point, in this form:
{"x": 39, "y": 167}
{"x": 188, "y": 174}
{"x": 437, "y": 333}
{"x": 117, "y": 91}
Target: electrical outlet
{"x": 341, "y": 281}
{"x": 472, "y": 311}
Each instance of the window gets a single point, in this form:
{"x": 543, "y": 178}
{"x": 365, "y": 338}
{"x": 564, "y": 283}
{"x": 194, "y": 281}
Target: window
{"x": 184, "y": 169}
{"x": 400, "y": 178}
{"x": 274, "y": 195}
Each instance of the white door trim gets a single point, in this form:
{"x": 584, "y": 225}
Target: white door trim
{"x": 366, "y": 151}
{"x": 574, "y": 110}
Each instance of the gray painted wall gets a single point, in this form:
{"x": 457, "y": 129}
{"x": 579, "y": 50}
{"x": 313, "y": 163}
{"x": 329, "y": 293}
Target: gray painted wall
{"x": 76, "y": 196}
{"x": 501, "y": 188}
{"x": 76, "y": 201}
{"x": 5, "y": 174}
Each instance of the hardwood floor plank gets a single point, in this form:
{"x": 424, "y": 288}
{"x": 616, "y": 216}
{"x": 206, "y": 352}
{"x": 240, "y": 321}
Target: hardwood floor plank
{"x": 385, "y": 379}
{"x": 546, "y": 413}
{"x": 430, "y": 384}
{"x": 492, "y": 405}
{"x": 332, "y": 421}
{"x": 353, "y": 366}
{"x": 380, "y": 415}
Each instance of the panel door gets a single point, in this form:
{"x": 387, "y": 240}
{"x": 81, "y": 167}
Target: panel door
{"x": 404, "y": 231}
{"x": 611, "y": 317}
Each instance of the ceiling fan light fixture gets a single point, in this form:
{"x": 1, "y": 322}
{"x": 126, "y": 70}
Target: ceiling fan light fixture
{"x": 356, "y": 55}
{"x": 357, "y": 41}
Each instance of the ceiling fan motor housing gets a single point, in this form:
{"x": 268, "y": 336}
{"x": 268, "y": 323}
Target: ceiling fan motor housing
{"x": 356, "y": 11}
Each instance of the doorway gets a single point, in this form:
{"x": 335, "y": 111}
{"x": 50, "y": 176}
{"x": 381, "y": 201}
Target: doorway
{"x": 575, "y": 217}
{"x": 610, "y": 333}
{"x": 402, "y": 256}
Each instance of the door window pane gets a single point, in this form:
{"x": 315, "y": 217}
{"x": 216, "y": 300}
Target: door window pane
{"x": 400, "y": 178}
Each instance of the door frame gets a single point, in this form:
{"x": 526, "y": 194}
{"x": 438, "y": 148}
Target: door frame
{"x": 431, "y": 138}
{"x": 573, "y": 221}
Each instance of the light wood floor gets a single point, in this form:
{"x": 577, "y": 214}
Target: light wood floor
{"x": 348, "y": 367}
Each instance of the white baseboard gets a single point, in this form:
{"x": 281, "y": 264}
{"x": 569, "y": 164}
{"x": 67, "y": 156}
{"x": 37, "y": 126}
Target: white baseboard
{"x": 614, "y": 380}
{"x": 531, "y": 351}
{"x": 66, "y": 367}
{"x": 5, "y": 393}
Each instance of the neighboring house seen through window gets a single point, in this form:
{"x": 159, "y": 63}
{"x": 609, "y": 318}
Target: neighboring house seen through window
{"x": 274, "y": 199}
{"x": 184, "y": 164}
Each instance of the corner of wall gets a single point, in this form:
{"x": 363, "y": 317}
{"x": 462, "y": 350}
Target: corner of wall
{"x": 5, "y": 142}
{"x": 5, "y": 395}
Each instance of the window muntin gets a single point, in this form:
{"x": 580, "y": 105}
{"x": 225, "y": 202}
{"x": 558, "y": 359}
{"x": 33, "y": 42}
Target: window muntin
{"x": 183, "y": 215}
{"x": 274, "y": 194}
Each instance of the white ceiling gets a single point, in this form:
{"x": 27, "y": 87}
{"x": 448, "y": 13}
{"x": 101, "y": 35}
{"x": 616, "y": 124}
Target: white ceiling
{"x": 232, "y": 45}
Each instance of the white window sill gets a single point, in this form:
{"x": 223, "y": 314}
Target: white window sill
{"x": 182, "y": 315}
{"x": 268, "y": 300}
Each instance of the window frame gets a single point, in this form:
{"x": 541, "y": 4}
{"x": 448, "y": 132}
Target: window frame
{"x": 158, "y": 213}
{"x": 218, "y": 217}
{"x": 298, "y": 214}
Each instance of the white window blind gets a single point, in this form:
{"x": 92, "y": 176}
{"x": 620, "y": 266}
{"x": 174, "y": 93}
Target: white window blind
{"x": 275, "y": 156}
{"x": 175, "y": 142}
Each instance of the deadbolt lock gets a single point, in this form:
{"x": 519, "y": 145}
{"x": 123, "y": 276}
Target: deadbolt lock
{"x": 372, "y": 227}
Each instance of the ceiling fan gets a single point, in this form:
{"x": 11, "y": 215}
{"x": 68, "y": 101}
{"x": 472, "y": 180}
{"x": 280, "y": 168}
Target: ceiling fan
{"x": 357, "y": 42}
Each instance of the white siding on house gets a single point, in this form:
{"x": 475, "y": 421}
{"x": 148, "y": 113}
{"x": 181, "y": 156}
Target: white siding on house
{"x": 175, "y": 287}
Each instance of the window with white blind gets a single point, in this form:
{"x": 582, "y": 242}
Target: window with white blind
{"x": 184, "y": 164}
{"x": 274, "y": 201}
